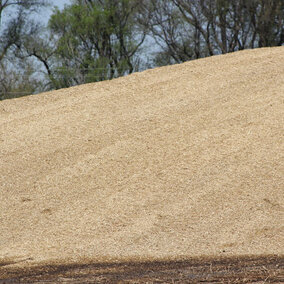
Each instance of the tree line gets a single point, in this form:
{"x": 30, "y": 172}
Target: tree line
{"x": 95, "y": 40}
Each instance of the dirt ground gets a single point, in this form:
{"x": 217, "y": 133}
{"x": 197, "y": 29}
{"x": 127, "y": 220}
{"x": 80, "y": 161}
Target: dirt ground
{"x": 269, "y": 269}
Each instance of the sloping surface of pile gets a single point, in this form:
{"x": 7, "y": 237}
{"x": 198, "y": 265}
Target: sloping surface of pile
{"x": 179, "y": 161}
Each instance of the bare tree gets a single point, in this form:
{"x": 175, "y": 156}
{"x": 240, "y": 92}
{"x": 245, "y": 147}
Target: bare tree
{"x": 178, "y": 40}
{"x": 186, "y": 29}
{"x": 12, "y": 32}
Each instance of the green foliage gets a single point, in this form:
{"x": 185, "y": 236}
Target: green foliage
{"x": 95, "y": 41}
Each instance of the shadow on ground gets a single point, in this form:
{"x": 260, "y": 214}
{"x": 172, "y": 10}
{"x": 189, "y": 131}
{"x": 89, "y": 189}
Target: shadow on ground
{"x": 268, "y": 269}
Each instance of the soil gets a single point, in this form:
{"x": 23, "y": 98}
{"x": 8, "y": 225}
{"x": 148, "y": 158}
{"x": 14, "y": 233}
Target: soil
{"x": 268, "y": 269}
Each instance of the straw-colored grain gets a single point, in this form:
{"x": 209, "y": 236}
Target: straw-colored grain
{"x": 178, "y": 161}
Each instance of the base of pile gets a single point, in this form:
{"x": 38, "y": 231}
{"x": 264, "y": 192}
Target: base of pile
{"x": 248, "y": 269}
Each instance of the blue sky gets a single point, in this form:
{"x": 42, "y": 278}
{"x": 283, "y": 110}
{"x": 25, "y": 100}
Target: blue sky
{"x": 44, "y": 14}
{"x": 60, "y": 3}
